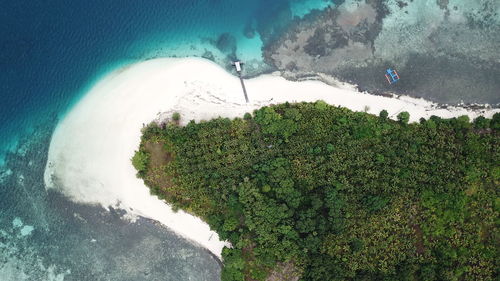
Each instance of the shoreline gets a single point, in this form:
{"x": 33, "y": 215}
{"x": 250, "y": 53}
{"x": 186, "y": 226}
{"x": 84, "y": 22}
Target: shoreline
{"x": 334, "y": 81}
{"x": 91, "y": 147}
{"x": 358, "y": 51}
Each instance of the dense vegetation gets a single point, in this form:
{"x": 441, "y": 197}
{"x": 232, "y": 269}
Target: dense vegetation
{"x": 336, "y": 194}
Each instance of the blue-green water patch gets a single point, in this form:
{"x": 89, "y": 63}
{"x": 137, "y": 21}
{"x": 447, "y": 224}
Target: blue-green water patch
{"x": 300, "y": 8}
{"x": 44, "y": 236}
{"x": 51, "y": 54}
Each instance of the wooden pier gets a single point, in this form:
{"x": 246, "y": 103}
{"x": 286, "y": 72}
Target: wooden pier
{"x": 237, "y": 65}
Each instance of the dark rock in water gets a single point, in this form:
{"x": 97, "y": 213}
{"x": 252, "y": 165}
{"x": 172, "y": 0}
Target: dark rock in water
{"x": 323, "y": 41}
{"x": 443, "y": 4}
{"x": 274, "y": 19}
{"x": 208, "y": 55}
{"x": 402, "y": 4}
{"x": 226, "y": 43}
{"x": 439, "y": 59}
{"x": 249, "y": 30}
{"x": 328, "y": 40}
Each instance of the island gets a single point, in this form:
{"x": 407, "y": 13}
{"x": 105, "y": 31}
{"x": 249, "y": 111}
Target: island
{"x": 313, "y": 191}
{"x": 90, "y": 150}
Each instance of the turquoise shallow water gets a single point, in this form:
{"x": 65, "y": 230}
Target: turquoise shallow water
{"x": 51, "y": 53}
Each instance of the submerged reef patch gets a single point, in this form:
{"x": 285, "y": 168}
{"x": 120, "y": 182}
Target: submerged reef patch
{"x": 445, "y": 50}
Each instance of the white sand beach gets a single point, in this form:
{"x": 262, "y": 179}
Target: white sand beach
{"x": 90, "y": 151}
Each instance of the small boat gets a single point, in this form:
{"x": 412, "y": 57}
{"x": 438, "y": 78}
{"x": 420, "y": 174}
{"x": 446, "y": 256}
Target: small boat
{"x": 392, "y": 76}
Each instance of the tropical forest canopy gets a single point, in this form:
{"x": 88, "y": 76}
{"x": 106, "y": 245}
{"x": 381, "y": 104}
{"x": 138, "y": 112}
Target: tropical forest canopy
{"x": 335, "y": 194}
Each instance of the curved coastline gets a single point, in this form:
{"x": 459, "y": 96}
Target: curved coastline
{"x": 90, "y": 150}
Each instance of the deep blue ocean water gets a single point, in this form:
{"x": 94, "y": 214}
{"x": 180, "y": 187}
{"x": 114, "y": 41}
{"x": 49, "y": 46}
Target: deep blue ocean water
{"x": 51, "y": 53}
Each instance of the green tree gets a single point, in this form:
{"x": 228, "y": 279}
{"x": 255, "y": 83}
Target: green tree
{"x": 247, "y": 116}
{"x": 463, "y": 122}
{"x": 176, "y": 116}
{"x": 383, "y": 114}
{"x": 140, "y": 162}
{"x": 340, "y": 195}
{"x": 481, "y": 123}
{"x": 495, "y": 121}
{"x": 233, "y": 265}
{"x": 404, "y": 117}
